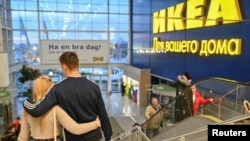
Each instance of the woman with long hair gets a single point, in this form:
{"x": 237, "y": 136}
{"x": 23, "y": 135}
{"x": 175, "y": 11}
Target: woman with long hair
{"x": 42, "y": 128}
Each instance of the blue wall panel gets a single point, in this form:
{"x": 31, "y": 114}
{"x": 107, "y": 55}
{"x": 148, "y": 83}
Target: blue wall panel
{"x": 169, "y": 65}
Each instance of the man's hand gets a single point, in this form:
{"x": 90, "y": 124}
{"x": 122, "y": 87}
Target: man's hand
{"x": 179, "y": 93}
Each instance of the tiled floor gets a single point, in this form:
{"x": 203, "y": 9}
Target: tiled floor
{"x": 124, "y": 110}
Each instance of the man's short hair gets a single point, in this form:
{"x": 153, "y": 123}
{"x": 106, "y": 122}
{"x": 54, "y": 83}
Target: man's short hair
{"x": 70, "y": 59}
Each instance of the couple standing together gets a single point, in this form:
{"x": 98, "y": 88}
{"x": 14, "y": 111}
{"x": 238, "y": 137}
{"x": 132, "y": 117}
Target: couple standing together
{"x": 75, "y": 102}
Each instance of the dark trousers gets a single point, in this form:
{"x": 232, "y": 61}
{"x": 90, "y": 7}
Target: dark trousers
{"x": 95, "y": 138}
{"x": 152, "y": 132}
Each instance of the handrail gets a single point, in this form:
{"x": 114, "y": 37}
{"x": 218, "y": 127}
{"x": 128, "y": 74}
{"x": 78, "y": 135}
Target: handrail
{"x": 144, "y": 122}
{"x": 218, "y": 98}
{"x": 229, "y": 121}
{"x": 127, "y": 133}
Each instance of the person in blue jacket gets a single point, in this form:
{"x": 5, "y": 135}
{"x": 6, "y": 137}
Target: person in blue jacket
{"x": 78, "y": 96}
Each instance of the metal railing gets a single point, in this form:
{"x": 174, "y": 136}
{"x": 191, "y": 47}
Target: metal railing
{"x": 134, "y": 134}
{"x": 228, "y": 104}
{"x": 201, "y": 133}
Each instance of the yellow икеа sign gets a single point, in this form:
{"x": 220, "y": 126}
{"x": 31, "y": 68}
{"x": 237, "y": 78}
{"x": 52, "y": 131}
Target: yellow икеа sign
{"x": 174, "y": 19}
{"x": 219, "y": 12}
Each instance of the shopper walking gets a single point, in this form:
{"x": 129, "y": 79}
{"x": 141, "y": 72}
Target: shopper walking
{"x": 17, "y": 125}
{"x": 42, "y": 128}
{"x": 78, "y": 96}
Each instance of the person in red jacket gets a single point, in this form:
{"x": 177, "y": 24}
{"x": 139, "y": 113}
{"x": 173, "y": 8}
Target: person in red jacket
{"x": 17, "y": 125}
{"x": 198, "y": 100}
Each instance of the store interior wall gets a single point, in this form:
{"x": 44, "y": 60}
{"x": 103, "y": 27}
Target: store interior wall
{"x": 169, "y": 65}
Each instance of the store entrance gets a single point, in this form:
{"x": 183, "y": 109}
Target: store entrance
{"x": 101, "y": 81}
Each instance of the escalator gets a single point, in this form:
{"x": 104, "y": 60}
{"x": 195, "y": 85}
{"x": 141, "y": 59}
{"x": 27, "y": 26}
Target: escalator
{"x": 200, "y": 134}
{"x": 228, "y": 105}
{"x": 186, "y": 125}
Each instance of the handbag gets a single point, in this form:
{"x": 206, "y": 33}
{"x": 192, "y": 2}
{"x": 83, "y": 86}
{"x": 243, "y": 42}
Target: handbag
{"x": 54, "y": 114}
{"x": 55, "y": 136}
